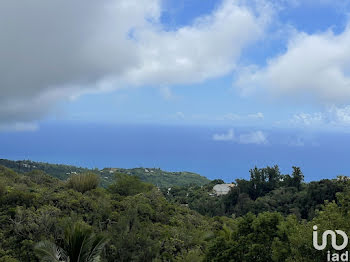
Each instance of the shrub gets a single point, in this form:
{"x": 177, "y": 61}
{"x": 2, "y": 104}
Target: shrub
{"x": 83, "y": 182}
{"x": 129, "y": 185}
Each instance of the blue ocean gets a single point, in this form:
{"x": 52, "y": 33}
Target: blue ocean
{"x": 177, "y": 148}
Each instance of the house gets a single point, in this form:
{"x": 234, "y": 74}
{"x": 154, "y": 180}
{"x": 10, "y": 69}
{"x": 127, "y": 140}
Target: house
{"x": 343, "y": 178}
{"x": 222, "y": 189}
{"x": 113, "y": 170}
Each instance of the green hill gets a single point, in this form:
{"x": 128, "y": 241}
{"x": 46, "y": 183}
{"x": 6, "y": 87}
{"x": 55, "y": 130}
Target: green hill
{"x": 155, "y": 176}
{"x": 264, "y": 219}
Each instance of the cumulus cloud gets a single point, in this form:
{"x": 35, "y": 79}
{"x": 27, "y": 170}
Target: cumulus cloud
{"x": 229, "y": 136}
{"x": 54, "y": 50}
{"x": 314, "y": 66}
{"x": 340, "y": 115}
{"x": 208, "y": 48}
{"x": 332, "y": 117}
{"x": 306, "y": 119}
{"x": 254, "y": 137}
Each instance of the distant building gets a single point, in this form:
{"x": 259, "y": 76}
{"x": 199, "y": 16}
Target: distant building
{"x": 343, "y": 178}
{"x": 222, "y": 189}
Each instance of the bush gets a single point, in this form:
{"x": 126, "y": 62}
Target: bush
{"x": 129, "y": 185}
{"x": 83, "y": 182}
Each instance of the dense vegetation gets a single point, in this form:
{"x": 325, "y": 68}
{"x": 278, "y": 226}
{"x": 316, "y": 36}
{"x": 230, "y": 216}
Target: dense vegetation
{"x": 140, "y": 224}
{"x": 268, "y": 218}
{"x": 154, "y": 176}
{"x": 267, "y": 190}
{"x": 163, "y": 179}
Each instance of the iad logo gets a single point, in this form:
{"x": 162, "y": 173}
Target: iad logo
{"x": 334, "y": 256}
{"x": 333, "y": 239}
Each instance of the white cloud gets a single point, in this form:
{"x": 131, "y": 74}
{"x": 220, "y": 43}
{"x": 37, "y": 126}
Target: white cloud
{"x": 258, "y": 115}
{"x": 229, "y": 136}
{"x": 208, "y": 48}
{"x": 332, "y": 117}
{"x": 254, "y": 137}
{"x": 314, "y": 67}
{"x": 305, "y": 119}
{"x": 47, "y": 46}
{"x": 340, "y": 115}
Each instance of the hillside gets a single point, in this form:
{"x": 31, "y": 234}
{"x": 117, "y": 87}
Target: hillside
{"x": 159, "y": 177}
{"x": 35, "y": 206}
{"x": 154, "y": 176}
{"x": 140, "y": 224}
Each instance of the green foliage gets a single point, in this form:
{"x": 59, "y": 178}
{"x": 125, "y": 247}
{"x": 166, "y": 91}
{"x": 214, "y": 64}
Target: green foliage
{"x": 129, "y": 185}
{"x": 160, "y": 178}
{"x": 56, "y": 170}
{"x": 8, "y": 259}
{"x": 140, "y": 223}
{"x": 83, "y": 182}
{"x": 2, "y": 187}
{"x": 80, "y": 245}
{"x": 154, "y": 176}
{"x": 268, "y": 218}
{"x": 249, "y": 238}
{"x": 267, "y": 190}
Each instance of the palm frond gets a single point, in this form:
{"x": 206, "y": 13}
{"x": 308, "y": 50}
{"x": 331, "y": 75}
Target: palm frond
{"x": 50, "y": 252}
{"x": 95, "y": 245}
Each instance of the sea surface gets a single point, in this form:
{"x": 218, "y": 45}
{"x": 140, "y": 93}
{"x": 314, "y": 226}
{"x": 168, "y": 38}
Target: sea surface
{"x": 180, "y": 148}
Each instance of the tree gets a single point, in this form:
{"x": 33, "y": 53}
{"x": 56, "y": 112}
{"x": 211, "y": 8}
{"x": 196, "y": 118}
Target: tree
{"x": 297, "y": 177}
{"x": 80, "y": 245}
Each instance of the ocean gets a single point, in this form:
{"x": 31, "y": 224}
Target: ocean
{"x": 180, "y": 148}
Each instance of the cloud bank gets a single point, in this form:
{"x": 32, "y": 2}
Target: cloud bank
{"x": 315, "y": 67}
{"x": 254, "y": 137}
{"x": 55, "y": 50}
{"x": 332, "y": 117}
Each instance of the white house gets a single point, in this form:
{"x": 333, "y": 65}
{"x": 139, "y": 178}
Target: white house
{"x": 222, "y": 189}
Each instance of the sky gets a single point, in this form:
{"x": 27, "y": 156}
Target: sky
{"x": 261, "y": 65}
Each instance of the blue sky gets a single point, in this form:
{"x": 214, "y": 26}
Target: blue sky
{"x": 213, "y": 63}
{"x": 253, "y": 69}
{"x": 217, "y": 100}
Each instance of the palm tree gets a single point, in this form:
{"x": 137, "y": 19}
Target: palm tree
{"x": 80, "y": 245}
